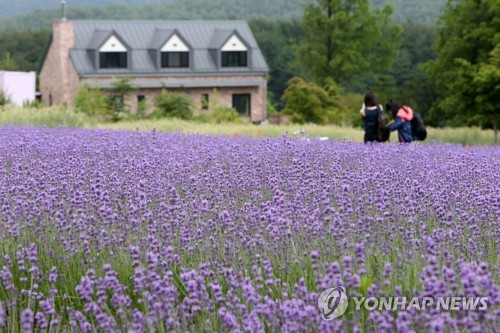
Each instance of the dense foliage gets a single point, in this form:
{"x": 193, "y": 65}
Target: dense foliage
{"x": 4, "y": 98}
{"x": 14, "y": 8}
{"x": 466, "y": 70}
{"x": 173, "y": 105}
{"x": 404, "y": 81}
{"x": 307, "y": 102}
{"x": 422, "y": 10}
{"x": 92, "y": 102}
{"x": 346, "y": 41}
{"x": 146, "y": 232}
{"x": 23, "y": 50}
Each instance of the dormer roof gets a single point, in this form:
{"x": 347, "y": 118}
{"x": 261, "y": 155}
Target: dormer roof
{"x": 222, "y": 38}
{"x": 109, "y": 39}
{"x": 140, "y": 37}
{"x": 162, "y": 37}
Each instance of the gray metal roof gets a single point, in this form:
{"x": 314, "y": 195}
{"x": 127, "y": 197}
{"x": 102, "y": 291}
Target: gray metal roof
{"x": 219, "y": 37}
{"x": 99, "y": 38}
{"x": 160, "y": 38}
{"x": 141, "y": 36}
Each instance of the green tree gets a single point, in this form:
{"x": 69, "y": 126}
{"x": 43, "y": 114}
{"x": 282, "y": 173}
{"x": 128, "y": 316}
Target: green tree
{"x": 405, "y": 81}
{"x": 4, "y": 99}
{"x": 174, "y": 105}
{"x": 25, "y": 48}
{"x": 275, "y": 39}
{"x": 346, "y": 41}
{"x": 92, "y": 102}
{"x": 465, "y": 71}
{"x": 487, "y": 84}
{"x": 308, "y": 102}
{"x": 121, "y": 88}
{"x": 7, "y": 63}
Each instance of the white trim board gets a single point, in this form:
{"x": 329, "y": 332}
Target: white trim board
{"x": 113, "y": 45}
{"x": 175, "y": 44}
{"x": 234, "y": 44}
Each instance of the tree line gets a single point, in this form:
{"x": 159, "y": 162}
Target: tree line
{"x": 37, "y": 14}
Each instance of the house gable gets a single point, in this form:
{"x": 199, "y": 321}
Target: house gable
{"x": 113, "y": 44}
{"x": 169, "y": 50}
{"x": 230, "y": 51}
{"x": 234, "y": 44}
{"x": 104, "y": 44}
{"x": 175, "y": 44}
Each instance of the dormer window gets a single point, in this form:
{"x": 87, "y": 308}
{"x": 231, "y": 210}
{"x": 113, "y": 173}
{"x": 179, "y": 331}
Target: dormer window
{"x": 174, "y": 59}
{"x": 175, "y": 54}
{"x": 234, "y": 53}
{"x": 113, "y": 54}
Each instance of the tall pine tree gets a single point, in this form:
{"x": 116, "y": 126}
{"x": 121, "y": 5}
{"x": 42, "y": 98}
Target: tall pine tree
{"x": 346, "y": 41}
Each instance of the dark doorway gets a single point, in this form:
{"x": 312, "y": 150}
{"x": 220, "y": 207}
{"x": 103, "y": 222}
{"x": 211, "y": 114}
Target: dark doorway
{"x": 241, "y": 102}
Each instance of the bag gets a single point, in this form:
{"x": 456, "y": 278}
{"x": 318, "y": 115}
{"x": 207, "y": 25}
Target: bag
{"x": 383, "y": 132}
{"x": 418, "y": 128}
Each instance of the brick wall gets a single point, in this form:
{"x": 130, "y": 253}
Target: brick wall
{"x": 58, "y": 78}
{"x": 219, "y": 96}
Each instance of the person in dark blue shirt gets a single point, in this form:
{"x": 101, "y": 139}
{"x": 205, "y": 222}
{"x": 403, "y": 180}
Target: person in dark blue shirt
{"x": 369, "y": 113}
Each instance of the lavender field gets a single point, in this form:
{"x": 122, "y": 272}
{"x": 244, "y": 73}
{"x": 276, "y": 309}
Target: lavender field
{"x": 104, "y": 231}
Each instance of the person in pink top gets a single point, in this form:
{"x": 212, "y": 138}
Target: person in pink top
{"x": 402, "y": 121}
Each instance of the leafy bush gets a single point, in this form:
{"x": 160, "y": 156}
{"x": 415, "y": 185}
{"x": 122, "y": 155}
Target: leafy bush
{"x": 223, "y": 114}
{"x": 174, "y": 105}
{"x": 220, "y": 113}
{"x": 92, "y": 102}
{"x": 307, "y": 102}
{"x": 4, "y": 99}
{"x": 271, "y": 107}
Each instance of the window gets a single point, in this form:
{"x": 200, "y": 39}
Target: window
{"x": 174, "y": 59}
{"x": 141, "y": 98}
{"x": 241, "y": 102}
{"x": 234, "y": 59}
{"x": 204, "y": 101}
{"x": 113, "y": 60}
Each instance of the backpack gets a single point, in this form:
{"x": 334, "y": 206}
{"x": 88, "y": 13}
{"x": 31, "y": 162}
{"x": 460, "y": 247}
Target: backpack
{"x": 418, "y": 128}
{"x": 383, "y": 132}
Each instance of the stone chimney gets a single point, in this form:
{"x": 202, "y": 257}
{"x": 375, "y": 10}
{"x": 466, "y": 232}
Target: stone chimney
{"x": 58, "y": 74}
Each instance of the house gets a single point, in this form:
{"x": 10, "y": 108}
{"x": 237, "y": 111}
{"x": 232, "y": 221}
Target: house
{"x": 194, "y": 57}
{"x": 19, "y": 87}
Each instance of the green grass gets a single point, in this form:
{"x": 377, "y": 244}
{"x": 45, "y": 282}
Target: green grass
{"x": 58, "y": 116}
{"x": 50, "y": 117}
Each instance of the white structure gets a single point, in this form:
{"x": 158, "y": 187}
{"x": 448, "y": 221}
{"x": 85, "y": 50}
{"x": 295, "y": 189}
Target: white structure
{"x": 19, "y": 87}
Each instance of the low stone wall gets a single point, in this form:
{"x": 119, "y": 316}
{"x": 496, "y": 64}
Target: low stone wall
{"x": 279, "y": 119}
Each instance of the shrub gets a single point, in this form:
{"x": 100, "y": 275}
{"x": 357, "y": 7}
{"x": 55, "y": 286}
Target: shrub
{"x": 271, "y": 107}
{"x": 92, "y": 102}
{"x": 223, "y": 114}
{"x": 121, "y": 88}
{"x": 4, "y": 99}
{"x": 307, "y": 102}
{"x": 174, "y": 105}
